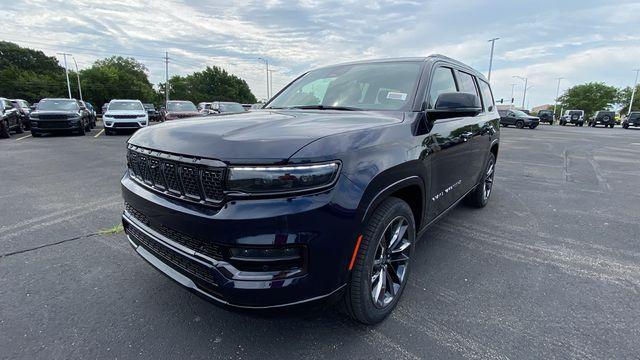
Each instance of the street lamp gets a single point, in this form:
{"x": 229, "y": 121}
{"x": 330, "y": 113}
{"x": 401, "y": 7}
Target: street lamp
{"x": 493, "y": 43}
{"x": 633, "y": 92}
{"x": 78, "y": 75}
{"x": 271, "y": 81}
{"x": 266, "y": 63}
{"x": 524, "y": 94}
{"x": 512, "y": 88}
{"x": 555, "y": 104}
{"x": 66, "y": 72}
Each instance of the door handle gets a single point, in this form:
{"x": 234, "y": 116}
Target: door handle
{"x": 466, "y": 136}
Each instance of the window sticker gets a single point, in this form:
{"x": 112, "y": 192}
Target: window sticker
{"x": 396, "y": 96}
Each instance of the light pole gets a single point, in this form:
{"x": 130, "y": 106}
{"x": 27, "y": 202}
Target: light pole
{"x": 524, "y": 94}
{"x": 78, "y": 75}
{"x": 266, "y": 63}
{"x": 633, "y": 92}
{"x": 493, "y": 43}
{"x": 66, "y": 72}
{"x": 512, "y": 88}
{"x": 271, "y": 81}
{"x": 555, "y": 103}
{"x": 166, "y": 78}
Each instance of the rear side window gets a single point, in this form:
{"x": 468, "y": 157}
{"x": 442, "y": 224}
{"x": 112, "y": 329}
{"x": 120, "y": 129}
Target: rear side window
{"x": 467, "y": 85}
{"x": 442, "y": 82}
{"x": 487, "y": 96}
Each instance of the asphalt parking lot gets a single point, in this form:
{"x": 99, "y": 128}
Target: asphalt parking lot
{"x": 549, "y": 269}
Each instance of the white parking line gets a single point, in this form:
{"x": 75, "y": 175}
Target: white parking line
{"x": 24, "y": 137}
{"x": 99, "y": 133}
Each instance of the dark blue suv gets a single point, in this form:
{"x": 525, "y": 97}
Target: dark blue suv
{"x": 320, "y": 195}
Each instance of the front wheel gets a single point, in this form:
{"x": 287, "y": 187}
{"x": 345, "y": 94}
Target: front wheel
{"x": 4, "y": 130}
{"x": 382, "y": 260}
{"x": 519, "y": 124}
{"x": 625, "y": 126}
{"x": 532, "y": 126}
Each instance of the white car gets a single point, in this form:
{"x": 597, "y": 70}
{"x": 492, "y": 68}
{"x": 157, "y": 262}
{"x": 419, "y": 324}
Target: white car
{"x": 124, "y": 114}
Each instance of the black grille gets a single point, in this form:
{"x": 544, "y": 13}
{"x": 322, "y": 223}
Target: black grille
{"x": 124, "y": 116}
{"x": 52, "y": 117}
{"x": 53, "y": 124}
{"x": 126, "y": 124}
{"x": 182, "y": 262}
{"x": 199, "y": 183}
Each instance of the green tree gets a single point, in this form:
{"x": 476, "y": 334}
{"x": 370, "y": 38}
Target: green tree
{"x": 210, "y": 84}
{"x": 116, "y": 78}
{"x": 29, "y": 74}
{"x": 624, "y": 97}
{"x": 589, "y": 97}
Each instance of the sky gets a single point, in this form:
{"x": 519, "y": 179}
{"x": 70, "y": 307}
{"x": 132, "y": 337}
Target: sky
{"x": 580, "y": 41}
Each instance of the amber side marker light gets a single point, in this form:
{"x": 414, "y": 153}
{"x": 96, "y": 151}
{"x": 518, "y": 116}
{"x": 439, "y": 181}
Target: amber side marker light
{"x": 355, "y": 252}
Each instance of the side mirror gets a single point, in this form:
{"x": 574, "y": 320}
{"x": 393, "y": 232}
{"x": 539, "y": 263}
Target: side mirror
{"x": 456, "y": 104}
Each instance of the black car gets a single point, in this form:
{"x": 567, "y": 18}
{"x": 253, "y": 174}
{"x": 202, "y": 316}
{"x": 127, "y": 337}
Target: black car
{"x": 92, "y": 114}
{"x": 320, "y": 195}
{"x": 632, "y": 120}
{"x": 24, "y": 109}
{"x": 518, "y": 119}
{"x": 153, "y": 114}
{"x": 606, "y": 118}
{"x": 9, "y": 119}
{"x": 54, "y": 115}
{"x": 546, "y": 116}
{"x": 226, "y": 107}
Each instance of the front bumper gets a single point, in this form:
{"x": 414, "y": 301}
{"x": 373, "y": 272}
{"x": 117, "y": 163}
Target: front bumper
{"x": 326, "y": 228}
{"x": 55, "y": 125}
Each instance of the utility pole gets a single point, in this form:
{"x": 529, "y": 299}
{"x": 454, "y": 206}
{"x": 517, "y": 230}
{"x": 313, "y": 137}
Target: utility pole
{"x": 78, "y": 75}
{"x": 555, "y": 103}
{"x": 266, "y": 63}
{"x": 633, "y": 92}
{"x": 66, "y": 72}
{"x": 166, "y": 78}
{"x": 493, "y": 43}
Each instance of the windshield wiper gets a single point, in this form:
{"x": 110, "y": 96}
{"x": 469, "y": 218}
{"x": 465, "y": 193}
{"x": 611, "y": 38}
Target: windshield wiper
{"x": 324, "y": 107}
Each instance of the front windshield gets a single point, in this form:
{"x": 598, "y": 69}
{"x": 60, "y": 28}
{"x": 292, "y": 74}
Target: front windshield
{"x": 60, "y": 105}
{"x": 372, "y": 86}
{"x": 231, "y": 108}
{"x": 23, "y": 103}
{"x": 125, "y": 105}
{"x": 149, "y": 106}
{"x": 520, "y": 113}
{"x": 180, "y": 106}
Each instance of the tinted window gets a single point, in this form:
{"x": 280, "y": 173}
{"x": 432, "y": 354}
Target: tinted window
{"x": 125, "y": 105}
{"x": 370, "y": 86}
{"x": 62, "y": 105}
{"x": 466, "y": 83}
{"x": 231, "y": 107}
{"x": 442, "y": 82}
{"x": 487, "y": 96}
{"x": 180, "y": 106}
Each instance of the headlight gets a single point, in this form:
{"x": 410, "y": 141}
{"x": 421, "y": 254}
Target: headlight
{"x": 33, "y": 116}
{"x": 282, "y": 179}
{"x": 107, "y": 115}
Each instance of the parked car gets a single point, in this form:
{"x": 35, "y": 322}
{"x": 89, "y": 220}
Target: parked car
{"x": 632, "y": 120}
{"x": 104, "y": 108}
{"x": 575, "y": 117}
{"x": 24, "y": 109}
{"x": 178, "y": 109}
{"x": 247, "y": 107}
{"x": 55, "y": 115}
{"x": 124, "y": 115}
{"x": 546, "y": 116}
{"x": 518, "y": 119}
{"x": 606, "y": 118}
{"x": 92, "y": 114}
{"x": 222, "y": 107}
{"x": 204, "y": 106}
{"x": 152, "y": 113}
{"x": 10, "y": 119}
{"x": 321, "y": 195}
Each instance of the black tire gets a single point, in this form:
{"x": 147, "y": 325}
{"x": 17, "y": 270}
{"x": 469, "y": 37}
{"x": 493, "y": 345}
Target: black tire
{"x": 519, "y": 124}
{"x": 533, "y": 126}
{"x": 479, "y": 197}
{"x": 625, "y": 126}
{"x": 35, "y": 133}
{"x": 5, "y": 133}
{"x": 373, "y": 259}
{"x": 82, "y": 129}
{"x": 563, "y": 123}
{"x": 19, "y": 130}
{"x": 107, "y": 132}
{"x": 551, "y": 122}
{"x": 580, "y": 124}
{"x": 611, "y": 126}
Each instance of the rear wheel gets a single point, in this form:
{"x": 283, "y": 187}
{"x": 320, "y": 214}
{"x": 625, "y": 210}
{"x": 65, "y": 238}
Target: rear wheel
{"x": 4, "y": 130}
{"x": 382, "y": 262}
{"x": 82, "y": 129}
{"x": 533, "y": 126}
{"x": 479, "y": 197}
{"x": 19, "y": 129}
{"x": 35, "y": 133}
{"x": 625, "y": 126}
{"x": 519, "y": 124}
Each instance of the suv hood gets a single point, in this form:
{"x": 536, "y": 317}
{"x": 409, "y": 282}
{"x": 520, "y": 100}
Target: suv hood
{"x": 55, "y": 112}
{"x": 126, "y": 112}
{"x": 258, "y": 135}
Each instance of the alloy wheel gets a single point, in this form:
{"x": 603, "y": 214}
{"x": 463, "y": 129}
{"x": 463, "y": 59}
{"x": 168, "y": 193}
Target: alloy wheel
{"x": 390, "y": 262}
{"x": 488, "y": 180}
